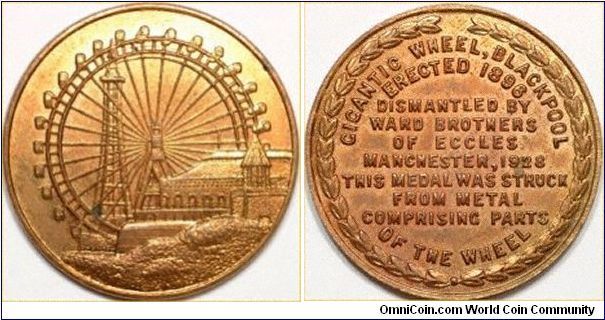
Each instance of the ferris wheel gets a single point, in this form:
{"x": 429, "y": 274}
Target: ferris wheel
{"x": 150, "y": 105}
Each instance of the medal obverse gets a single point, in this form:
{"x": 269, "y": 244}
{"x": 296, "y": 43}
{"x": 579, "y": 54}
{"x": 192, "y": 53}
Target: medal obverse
{"x": 150, "y": 151}
{"x": 453, "y": 152}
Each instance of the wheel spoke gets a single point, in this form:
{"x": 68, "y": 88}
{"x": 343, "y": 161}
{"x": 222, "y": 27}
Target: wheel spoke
{"x": 201, "y": 143}
{"x": 140, "y": 121}
{"x": 197, "y": 126}
{"x": 204, "y": 133}
{"x": 191, "y": 105}
{"x": 87, "y": 173}
{"x": 205, "y": 152}
{"x": 76, "y": 128}
{"x": 102, "y": 107}
{"x": 146, "y": 82}
{"x": 159, "y": 91}
{"x": 78, "y": 160}
{"x": 103, "y": 177}
{"x": 86, "y": 114}
{"x": 79, "y": 144}
{"x": 184, "y": 155}
{"x": 136, "y": 92}
{"x": 173, "y": 91}
{"x": 182, "y": 159}
{"x": 178, "y": 106}
{"x": 176, "y": 163}
{"x": 99, "y": 133}
{"x": 171, "y": 168}
{"x": 132, "y": 169}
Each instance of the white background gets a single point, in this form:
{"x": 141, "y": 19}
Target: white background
{"x": 26, "y": 30}
{"x": 576, "y": 28}
{"x": 328, "y": 31}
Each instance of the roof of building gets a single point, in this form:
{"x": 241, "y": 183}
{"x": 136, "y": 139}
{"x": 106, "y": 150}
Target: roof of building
{"x": 212, "y": 169}
{"x": 228, "y": 163}
{"x": 239, "y": 154}
{"x": 255, "y": 156}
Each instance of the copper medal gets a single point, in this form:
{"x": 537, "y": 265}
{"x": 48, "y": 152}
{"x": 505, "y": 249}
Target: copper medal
{"x": 453, "y": 152}
{"x": 150, "y": 151}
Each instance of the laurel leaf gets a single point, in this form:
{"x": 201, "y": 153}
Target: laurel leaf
{"x": 568, "y": 209}
{"x": 355, "y": 67}
{"x": 565, "y": 87}
{"x": 336, "y": 211}
{"x": 580, "y": 189}
{"x": 532, "y": 259}
{"x": 394, "y": 270}
{"x": 342, "y": 205}
{"x": 514, "y": 269}
{"x": 479, "y": 27}
{"x": 580, "y": 127}
{"x": 374, "y": 259}
{"x": 379, "y": 253}
{"x": 321, "y": 148}
{"x": 437, "y": 275}
{"x": 326, "y": 147}
{"x": 327, "y": 126}
{"x": 413, "y": 269}
{"x": 573, "y": 106}
{"x": 413, "y": 273}
{"x": 389, "y": 40}
{"x": 428, "y": 28}
{"x": 327, "y": 168}
{"x": 496, "y": 277}
{"x": 432, "y": 19}
{"x": 538, "y": 56}
{"x": 472, "y": 282}
{"x": 501, "y": 34}
{"x": 346, "y": 230}
{"x": 335, "y": 108}
{"x": 351, "y": 222}
{"x": 520, "y": 43}
{"x": 562, "y": 228}
{"x": 414, "y": 278}
{"x": 436, "y": 284}
{"x": 478, "y": 30}
{"x": 407, "y": 31}
{"x": 546, "y": 246}
{"x": 365, "y": 239}
{"x": 475, "y": 273}
{"x": 343, "y": 86}
{"x": 327, "y": 103}
{"x": 388, "y": 44}
{"x": 358, "y": 244}
{"x": 582, "y": 167}
{"x": 553, "y": 71}
{"x": 583, "y": 148}
{"x": 370, "y": 50}
{"x": 396, "y": 261}
{"x": 330, "y": 188}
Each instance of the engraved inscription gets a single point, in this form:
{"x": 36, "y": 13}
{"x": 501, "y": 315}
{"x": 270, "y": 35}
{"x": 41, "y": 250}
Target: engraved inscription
{"x": 449, "y": 155}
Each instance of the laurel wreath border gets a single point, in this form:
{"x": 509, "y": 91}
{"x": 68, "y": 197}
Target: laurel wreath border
{"x": 325, "y": 164}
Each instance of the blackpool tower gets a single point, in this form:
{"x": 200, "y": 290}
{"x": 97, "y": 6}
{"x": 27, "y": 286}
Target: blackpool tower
{"x": 113, "y": 199}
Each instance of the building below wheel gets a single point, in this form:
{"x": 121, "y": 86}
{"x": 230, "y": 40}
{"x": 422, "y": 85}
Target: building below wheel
{"x": 251, "y": 184}
{"x": 228, "y": 182}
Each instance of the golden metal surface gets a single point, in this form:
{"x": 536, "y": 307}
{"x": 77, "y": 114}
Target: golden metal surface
{"x": 453, "y": 152}
{"x": 150, "y": 151}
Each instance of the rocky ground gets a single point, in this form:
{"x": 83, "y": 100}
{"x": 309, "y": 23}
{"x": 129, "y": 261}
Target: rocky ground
{"x": 196, "y": 254}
